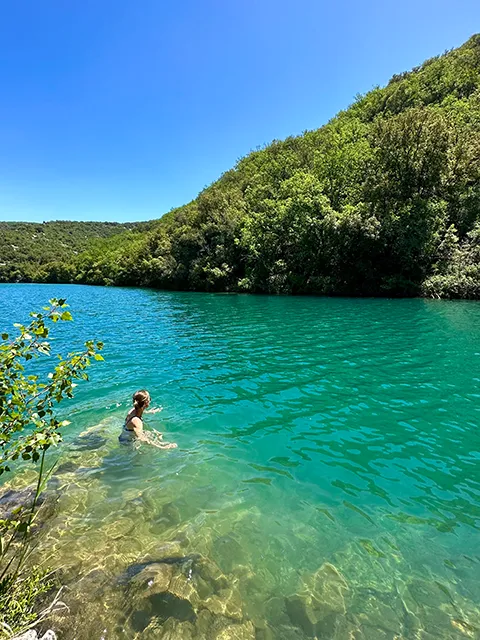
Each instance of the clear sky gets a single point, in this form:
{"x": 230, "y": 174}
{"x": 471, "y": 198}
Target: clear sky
{"x": 122, "y": 109}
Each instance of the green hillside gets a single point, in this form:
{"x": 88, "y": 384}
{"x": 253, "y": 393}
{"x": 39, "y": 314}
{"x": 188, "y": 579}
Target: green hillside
{"x": 31, "y": 251}
{"x": 383, "y": 200}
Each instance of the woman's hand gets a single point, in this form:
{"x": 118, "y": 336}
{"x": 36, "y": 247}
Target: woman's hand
{"x": 156, "y": 442}
{"x": 154, "y": 410}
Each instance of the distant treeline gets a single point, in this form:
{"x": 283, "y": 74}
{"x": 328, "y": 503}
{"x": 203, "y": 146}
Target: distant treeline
{"x": 29, "y": 251}
{"x": 383, "y": 200}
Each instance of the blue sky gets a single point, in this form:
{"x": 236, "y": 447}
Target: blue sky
{"x": 120, "y": 110}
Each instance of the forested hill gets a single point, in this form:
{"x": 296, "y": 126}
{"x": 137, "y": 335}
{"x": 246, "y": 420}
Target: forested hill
{"x": 383, "y": 200}
{"x": 29, "y": 251}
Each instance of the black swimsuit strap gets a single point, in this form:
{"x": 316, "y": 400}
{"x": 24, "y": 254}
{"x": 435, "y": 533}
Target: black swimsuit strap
{"x": 127, "y": 420}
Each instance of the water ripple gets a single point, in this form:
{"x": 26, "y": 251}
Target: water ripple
{"x": 334, "y": 430}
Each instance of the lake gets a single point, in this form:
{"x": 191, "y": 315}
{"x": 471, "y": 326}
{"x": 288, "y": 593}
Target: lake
{"x": 326, "y": 482}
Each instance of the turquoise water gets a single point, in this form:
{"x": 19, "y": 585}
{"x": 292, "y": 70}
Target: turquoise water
{"x": 327, "y": 469}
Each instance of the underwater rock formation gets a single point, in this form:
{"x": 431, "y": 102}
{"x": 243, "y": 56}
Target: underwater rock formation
{"x": 185, "y": 598}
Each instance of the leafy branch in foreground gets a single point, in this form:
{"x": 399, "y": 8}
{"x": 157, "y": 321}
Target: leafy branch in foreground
{"x": 28, "y": 428}
{"x": 26, "y": 401}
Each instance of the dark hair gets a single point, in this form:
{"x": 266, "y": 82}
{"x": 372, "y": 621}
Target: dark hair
{"x": 141, "y": 398}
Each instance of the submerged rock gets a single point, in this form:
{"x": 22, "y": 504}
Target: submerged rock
{"x": 264, "y": 633}
{"x": 12, "y": 501}
{"x": 184, "y": 562}
{"x": 205, "y": 620}
{"x": 89, "y": 442}
{"x": 159, "y": 591}
{"x": 227, "y": 553}
{"x": 169, "y": 515}
{"x": 320, "y": 602}
{"x": 212, "y": 627}
{"x": 434, "y": 620}
{"x": 428, "y": 594}
{"x": 33, "y": 635}
{"x": 156, "y": 608}
{"x": 244, "y": 631}
{"x": 171, "y": 549}
{"x": 174, "y": 630}
{"x": 186, "y": 595}
{"x": 328, "y": 585}
{"x": 154, "y": 578}
{"x": 465, "y": 628}
{"x": 275, "y": 612}
{"x": 167, "y": 605}
{"x": 227, "y": 603}
{"x": 302, "y": 614}
{"x": 28, "y": 635}
{"x": 154, "y": 631}
{"x": 182, "y": 586}
{"x": 15, "y": 502}
{"x": 370, "y": 611}
{"x": 368, "y": 571}
{"x": 211, "y": 574}
{"x": 91, "y": 585}
{"x": 67, "y": 467}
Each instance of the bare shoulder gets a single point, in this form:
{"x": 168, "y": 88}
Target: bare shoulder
{"x": 130, "y": 415}
{"x": 137, "y": 422}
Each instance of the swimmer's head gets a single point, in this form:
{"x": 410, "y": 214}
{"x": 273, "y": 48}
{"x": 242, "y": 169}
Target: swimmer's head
{"x": 141, "y": 399}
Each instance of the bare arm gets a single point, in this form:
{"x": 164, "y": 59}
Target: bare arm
{"x": 156, "y": 440}
{"x": 145, "y": 437}
{"x": 156, "y": 443}
{"x": 137, "y": 428}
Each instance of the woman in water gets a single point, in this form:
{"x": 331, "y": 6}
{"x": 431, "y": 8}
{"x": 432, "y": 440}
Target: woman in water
{"x": 133, "y": 427}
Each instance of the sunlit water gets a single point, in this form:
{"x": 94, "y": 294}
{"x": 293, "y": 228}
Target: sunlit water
{"x": 327, "y": 469}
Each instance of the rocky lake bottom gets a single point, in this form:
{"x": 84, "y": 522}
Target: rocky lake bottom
{"x": 325, "y": 484}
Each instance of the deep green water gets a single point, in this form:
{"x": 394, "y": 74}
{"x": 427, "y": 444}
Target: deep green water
{"x": 328, "y": 448}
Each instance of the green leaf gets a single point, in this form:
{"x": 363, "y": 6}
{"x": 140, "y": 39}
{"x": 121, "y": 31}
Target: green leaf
{"x": 4, "y": 336}
{"x": 99, "y": 357}
{"x": 28, "y": 424}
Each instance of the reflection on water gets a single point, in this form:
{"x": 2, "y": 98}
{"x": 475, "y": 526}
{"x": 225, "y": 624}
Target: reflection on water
{"x": 326, "y": 482}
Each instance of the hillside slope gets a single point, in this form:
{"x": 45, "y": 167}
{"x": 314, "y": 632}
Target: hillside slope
{"x": 383, "y": 200}
{"x": 26, "y": 247}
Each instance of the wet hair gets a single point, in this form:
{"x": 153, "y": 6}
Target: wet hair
{"x": 141, "y": 398}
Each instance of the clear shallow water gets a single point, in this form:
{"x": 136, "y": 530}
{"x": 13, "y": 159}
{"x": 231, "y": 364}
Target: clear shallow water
{"x": 327, "y": 470}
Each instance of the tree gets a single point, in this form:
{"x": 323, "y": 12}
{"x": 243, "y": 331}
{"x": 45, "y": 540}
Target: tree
{"x": 359, "y": 206}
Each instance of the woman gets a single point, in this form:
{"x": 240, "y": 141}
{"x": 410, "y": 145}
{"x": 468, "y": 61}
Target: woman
{"x": 133, "y": 427}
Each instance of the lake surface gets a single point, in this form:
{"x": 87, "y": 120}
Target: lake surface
{"x": 327, "y": 478}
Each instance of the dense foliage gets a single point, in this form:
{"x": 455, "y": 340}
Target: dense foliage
{"x": 26, "y": 248}
{"x": 29, "y": 426}
{"x": 383, "y": 200}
